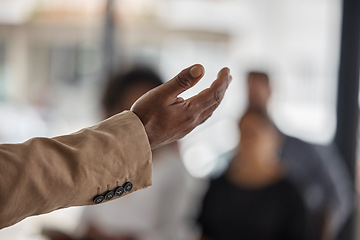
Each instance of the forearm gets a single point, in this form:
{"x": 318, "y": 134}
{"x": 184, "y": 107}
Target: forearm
{"x": 45, "y": 174}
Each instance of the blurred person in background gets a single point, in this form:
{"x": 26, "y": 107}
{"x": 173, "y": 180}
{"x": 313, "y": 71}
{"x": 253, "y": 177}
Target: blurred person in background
{"x": 156, "y": 213}
{"x": 317, "y": 171}
{"x": 253, "y": 199}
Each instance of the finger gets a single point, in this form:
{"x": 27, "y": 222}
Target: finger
{"x": 207, "y": 113}
{"x": 212, "y": 95}
{"x": 223, "y": 79}
{"x": 186, "y": 79}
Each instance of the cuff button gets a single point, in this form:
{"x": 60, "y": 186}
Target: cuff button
{"x": 119, "y": 191}
{"x": 109, "y": 195}
{"x": 98, "y": 199}
{"x": 128, "y": 186}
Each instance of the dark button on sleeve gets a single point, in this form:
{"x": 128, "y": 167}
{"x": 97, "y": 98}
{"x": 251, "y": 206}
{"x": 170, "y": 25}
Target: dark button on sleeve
{"x": 109, "y": 195}
{"x": 128, "y": 186}
{"x": 119, "y": 191}
{"x": 98, "y": 199}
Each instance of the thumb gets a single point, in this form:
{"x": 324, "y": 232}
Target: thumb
{"x": 186, "y": 79}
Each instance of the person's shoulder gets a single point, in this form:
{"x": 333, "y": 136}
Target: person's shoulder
{"x": 295, "y": 146}
{"x": 292, "y": 140}
{"x": 218, "y": 183}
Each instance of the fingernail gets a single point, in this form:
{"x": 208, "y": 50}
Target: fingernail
{"x": 195, "y": 71}
{"x": 222, "y": 72}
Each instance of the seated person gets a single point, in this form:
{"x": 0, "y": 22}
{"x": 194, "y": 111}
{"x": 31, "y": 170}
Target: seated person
{"x": 252, "y": 199}
{"x": 317, "y": 171}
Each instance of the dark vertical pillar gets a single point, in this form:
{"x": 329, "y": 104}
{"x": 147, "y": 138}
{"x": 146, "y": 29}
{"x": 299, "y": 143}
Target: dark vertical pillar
{"x": 348, "y": 90}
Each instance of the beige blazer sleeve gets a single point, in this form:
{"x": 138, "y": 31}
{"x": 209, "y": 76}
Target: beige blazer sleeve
{"x": 45, "y": 174}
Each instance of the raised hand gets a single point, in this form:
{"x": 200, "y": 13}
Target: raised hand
{"x": 167, "y": 117}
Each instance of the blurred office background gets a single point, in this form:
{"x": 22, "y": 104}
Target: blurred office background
{"x": 55, "y": 55}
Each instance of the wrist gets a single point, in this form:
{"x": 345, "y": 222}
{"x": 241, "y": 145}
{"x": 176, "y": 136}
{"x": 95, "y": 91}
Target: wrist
{"x": 146, "y": 128}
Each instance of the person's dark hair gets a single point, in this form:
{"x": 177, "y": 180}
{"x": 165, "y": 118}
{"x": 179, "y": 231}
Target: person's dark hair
{"x": 119, "y": 83}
